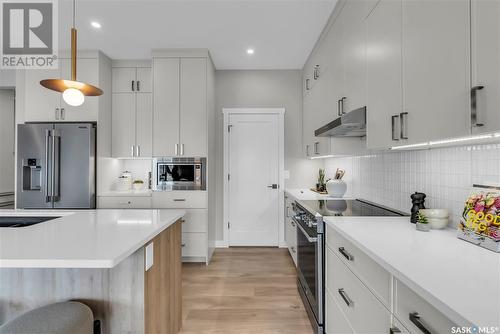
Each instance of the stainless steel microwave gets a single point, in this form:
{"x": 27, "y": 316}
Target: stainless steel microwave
{"x": 179, "y": 173}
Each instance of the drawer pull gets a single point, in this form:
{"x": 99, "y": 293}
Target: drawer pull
{"x": 179, "y": 199}
{"x": 346, "y": 298}
{"x": 394, "y": 330}
{"x": 415, "y": 319}
{"x": 346, "y": 254}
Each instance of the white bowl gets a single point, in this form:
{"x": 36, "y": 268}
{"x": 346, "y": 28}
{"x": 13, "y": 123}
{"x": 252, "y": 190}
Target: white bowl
{"x": 435, "y": 213}
{"x": 438, "y": 223}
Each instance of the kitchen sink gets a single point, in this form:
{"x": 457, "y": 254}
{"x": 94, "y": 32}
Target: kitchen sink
{"x": 22, "y": 221}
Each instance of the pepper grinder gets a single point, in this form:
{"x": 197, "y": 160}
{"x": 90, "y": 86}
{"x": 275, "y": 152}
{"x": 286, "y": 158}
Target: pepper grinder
{"x": 417, "y": 199}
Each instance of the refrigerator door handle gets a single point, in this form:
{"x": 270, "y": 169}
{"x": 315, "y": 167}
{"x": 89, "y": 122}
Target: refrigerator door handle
{"x": 56, "y": 170}
{"x": 48, "y": 196}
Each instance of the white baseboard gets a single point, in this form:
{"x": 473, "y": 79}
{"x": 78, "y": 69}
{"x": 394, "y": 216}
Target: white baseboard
{"x": 221, "y": 244}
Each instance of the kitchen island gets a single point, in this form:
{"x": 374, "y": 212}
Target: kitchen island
{"x": 124, "y": 264}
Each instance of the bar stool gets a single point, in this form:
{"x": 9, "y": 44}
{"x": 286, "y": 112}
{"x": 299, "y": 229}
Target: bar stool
{"x": 59, "y": 318}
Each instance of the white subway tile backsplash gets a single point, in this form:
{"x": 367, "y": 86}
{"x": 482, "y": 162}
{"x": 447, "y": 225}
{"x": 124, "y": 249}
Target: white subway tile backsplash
{"x": 446, "y": 175}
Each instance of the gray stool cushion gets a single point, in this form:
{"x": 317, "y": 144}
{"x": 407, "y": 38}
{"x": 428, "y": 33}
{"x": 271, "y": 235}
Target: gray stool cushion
{"x": 59, "y": 318}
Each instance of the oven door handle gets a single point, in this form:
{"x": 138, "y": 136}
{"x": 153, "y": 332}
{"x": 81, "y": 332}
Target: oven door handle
{"x": 308, "y": 237}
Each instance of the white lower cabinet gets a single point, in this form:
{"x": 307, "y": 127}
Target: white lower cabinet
{"x": 290, "y": 229}
{"x": 123, "y": 202}
{"x": 195, "y": 225}
{"x": 194, "y": 245}
{"x": 417, "y": 314}
{"x": 336, "y": 321}
{"x": 362, "y": 297}
{"x": 362, "y": 309}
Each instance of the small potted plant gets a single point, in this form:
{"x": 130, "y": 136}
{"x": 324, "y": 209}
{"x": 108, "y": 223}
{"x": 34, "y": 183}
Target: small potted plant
{"x": 138, "y": 185}
{"x": 422, "y": 222}
{"x": 320, "y": 186}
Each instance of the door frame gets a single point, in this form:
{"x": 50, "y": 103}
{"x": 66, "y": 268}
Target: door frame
{"x": 280, "y": 112}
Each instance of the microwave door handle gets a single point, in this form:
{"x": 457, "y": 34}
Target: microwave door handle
{"x": 309, "y": 238}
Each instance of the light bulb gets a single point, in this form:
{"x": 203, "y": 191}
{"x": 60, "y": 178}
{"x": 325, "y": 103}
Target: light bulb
{"x": 73, "y": 97}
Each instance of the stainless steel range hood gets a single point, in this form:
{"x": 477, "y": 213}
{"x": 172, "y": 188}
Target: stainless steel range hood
{"x": 352, "y": 124}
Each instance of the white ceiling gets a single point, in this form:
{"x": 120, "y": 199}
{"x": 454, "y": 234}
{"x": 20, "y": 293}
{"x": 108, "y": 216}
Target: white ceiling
{"x": 282, "y": 32}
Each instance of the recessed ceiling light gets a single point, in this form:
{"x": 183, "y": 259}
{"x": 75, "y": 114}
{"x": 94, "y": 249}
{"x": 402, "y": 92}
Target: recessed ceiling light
{"x": 95, "y": 24}
{"x": 250, "y": 51}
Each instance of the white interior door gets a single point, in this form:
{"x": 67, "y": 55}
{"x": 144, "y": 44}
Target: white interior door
{"x": 253, "y": 164}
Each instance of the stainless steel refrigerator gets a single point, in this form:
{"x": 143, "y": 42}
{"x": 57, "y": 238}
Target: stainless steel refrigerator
{"x": 56, "y": 166}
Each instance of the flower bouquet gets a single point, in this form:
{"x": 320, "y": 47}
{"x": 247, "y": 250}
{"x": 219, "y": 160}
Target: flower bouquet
{"x": 480, "y": 220}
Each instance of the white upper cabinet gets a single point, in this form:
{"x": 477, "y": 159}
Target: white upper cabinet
{"x": 124, "y": 79}
{"x": 144, "y": 81}
{"x": 353, "y": 52}
{"x": 166, "y": 106}
{"x": 485, "y": 65}
{"x": 435, "y": 70}
{"x": 180, "y": 103}
{"x": 132, "y": 112}
{"x": 384, "y": 91}
{"x": 193, "y": 107}
{"x": 40, "y": 103}
{"x": 44, "y": 105}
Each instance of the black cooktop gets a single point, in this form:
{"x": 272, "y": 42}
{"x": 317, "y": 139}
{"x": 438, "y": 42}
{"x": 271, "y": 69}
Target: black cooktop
{"x": 348, "y": 207}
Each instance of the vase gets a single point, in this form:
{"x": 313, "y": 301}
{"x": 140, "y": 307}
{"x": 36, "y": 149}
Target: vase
{"x": 336, "y": 188}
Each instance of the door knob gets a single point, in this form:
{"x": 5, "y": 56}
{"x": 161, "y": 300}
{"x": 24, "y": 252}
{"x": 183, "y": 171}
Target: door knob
{"x": 273, "y": 186}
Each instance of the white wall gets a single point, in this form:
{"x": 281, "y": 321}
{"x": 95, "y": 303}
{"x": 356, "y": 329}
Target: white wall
{"x": 265, "y": 88}
{"x": 445, "y": 175}
{"x": 7, "y": 78}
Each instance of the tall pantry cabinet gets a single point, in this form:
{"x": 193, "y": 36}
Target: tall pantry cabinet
{"x": 184, "y": 126}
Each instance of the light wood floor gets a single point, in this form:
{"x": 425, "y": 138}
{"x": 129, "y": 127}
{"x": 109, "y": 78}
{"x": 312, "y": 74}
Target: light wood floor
{"x": 243, "y": 291}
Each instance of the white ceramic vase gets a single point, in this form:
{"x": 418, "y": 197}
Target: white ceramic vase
{"x": 336, "y": 188}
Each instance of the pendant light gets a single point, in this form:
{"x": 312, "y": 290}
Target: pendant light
{"x": 74, "y": 92}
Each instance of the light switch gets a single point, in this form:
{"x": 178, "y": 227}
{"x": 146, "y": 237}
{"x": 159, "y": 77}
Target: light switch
{"x": 286, "y": 174}
{"x": 149, "y": 256}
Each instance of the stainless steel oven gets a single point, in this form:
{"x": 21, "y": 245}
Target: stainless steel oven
{"x": 179, "y": 173}
{"x": 310, "y": 264}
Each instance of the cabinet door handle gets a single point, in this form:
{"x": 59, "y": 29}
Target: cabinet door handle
{"x": 473, "y": 106}
{"x": 307, "y": 150}
{"x": 316, "y": 72}
{"x": 307, "y": 85}
{"x": 346, "y": 298}
{"x": 182, "y": 149}
{"x": 179, "y": 199}
{"x": 57, "y": 113}
{"x": 133, "y": 85}
{"x": 415, "y": 319}
{"x": 316, "y": 147}
{"x": 346, "y": 254}
{"x": 339, "y": 113}
{"x": 394, "y": 330}
{"x": 342, "y": 112}
{"x": 138, "y": 151}
{"x": 403, "y": 120}
{"x": 138, "y": 86}
{"x": 393, "y": 127}
{"x": 176, "y": 149}
{"x": 132, "y": 150}
{"x": 63, "y": 113}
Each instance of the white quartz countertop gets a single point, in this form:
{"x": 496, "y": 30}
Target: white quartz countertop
{"x": 458, "y": 278}
{"x": 305, "y": 194}
{"x": 80, "y": 239}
